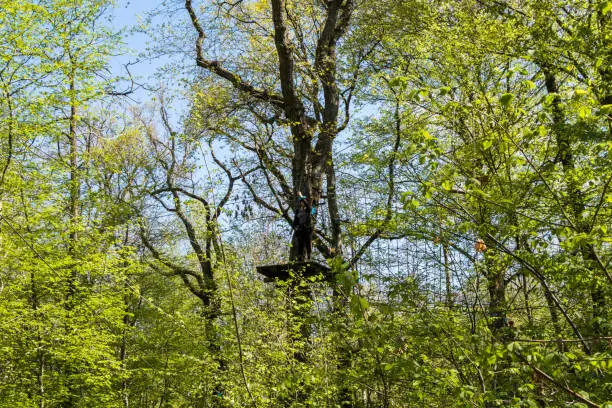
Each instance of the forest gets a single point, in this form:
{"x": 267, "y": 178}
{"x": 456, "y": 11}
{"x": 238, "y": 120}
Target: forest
{"x": 453, "y": 160}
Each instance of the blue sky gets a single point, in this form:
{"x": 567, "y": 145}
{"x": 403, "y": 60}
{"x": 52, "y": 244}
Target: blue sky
{"x": 127, "y": 14}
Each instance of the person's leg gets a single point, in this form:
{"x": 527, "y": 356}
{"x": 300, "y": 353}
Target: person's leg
{"x": 308, "y": 244}
{"x": 301, "y": 244}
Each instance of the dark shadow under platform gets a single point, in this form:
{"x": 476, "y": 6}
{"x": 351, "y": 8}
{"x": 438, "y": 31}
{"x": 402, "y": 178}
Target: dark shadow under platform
{"x": 299, "y": 268}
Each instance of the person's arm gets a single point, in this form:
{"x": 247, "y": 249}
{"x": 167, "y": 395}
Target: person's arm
{"x": 306, "y": 201}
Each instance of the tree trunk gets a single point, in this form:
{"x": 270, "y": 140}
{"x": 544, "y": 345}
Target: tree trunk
{"x": 447, "y": 276}
{"x": 554, "y": 318}
{"x": 496, "y": 285}
{"x": 576, "y": 202}
{"x": 73, "y": 223}
{"x": 73, "y": 211}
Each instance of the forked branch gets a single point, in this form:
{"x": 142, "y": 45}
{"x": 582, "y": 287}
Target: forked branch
{"x": 216, "y": 68}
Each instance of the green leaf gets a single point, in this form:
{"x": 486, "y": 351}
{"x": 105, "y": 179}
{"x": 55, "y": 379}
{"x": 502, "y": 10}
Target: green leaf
{"x": 606, "y": 109}
{"x": 506, "y": 98}
{"x": 529, "y": 84}
{"x": 580, "y": 92}
{"x": 444, "y": 90}
{"x": 550, "y": 98}
{"x": 400, "y": 81}
{"x": 584, "y": 112}
{"x": 358, "y": 306}
{"x": 514, "y": 346}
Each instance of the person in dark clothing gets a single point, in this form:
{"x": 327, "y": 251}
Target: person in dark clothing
{"x": 302, "y": 225}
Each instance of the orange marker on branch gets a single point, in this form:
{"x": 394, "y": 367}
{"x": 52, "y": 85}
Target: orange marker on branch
{"x": 480, "y": 246}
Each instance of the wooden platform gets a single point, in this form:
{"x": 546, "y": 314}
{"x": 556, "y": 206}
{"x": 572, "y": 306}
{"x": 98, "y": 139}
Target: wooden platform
{"x": 297, "y": 268}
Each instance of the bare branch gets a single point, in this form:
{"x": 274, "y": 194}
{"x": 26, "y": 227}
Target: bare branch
{"x": 130, "y": 89}
{"x": 216, "y": 68}
{"x": 231, "y": 179}
{"x": 390, "y": 186}
{"x": 263, "y": 202}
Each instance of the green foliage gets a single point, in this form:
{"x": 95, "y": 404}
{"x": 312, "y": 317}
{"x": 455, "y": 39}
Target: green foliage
{"x": 482, "y": 123}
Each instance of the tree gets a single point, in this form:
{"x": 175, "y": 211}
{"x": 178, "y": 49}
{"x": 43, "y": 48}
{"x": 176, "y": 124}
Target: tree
{"x": 492, "y": 176}
{"x": 61, "y": 283}
{"x": 314, "y": 90}
{"x": 175, "y": 187}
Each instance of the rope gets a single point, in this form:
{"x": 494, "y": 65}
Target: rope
{"x": 229, "y": 285}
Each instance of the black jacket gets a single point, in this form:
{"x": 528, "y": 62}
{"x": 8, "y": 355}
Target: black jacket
{"x": 303, "y": 217}
{"x": 302, "y": 220}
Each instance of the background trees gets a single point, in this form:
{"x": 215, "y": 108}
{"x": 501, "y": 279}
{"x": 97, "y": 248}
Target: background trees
{"x": 129, "y": 234}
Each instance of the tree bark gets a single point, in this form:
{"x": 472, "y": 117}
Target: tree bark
{"x": 576, "y": 202}
{"x": 310, "y": 164}
{"x": 447, "y": 276}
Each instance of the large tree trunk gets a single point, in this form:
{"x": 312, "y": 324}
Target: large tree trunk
{"x": 311, "y": 162}
{"x": 576, "y": 203}
{"x": 73, "y": 222}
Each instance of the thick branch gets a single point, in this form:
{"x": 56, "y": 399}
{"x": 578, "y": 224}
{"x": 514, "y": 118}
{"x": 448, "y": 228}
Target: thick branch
{"x": 269, "y": 164}
{"x": 176, "y": 269}
{"x": 294, "y": 108}
{"x": 216, "y": 68}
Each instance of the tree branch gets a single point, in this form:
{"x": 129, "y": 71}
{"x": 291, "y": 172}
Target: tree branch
{"x": 216, "y": 68}
{"x": 391, "y": 187}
